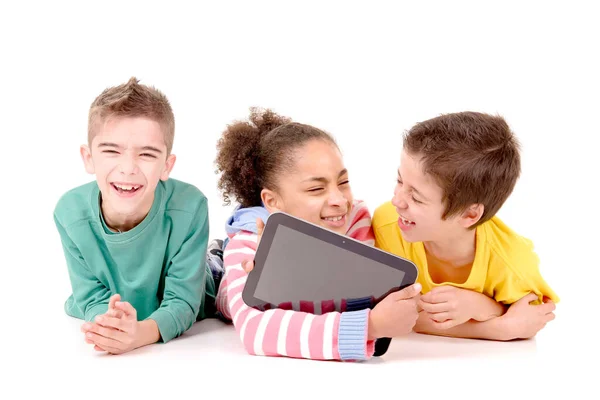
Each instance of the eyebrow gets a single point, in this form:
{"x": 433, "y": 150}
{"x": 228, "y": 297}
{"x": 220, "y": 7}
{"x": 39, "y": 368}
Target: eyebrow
{"x": 151, "y": 148}
{"x": 414, "y": 189}
{"x": 116, "y": 146}
{"x": 105, "y": 144}
{"x": 323, "y": 179}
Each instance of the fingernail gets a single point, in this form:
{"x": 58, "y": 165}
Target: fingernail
{"x": 119, "y": 303}
{"x": 89, "y": 335}
{"x": 99, "y": 319}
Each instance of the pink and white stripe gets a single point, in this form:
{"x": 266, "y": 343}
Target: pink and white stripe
{"x": 284, "y": 332}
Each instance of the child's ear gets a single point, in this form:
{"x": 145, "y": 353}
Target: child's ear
{"x": 86, "y": 156}
{"x": 472, "y": 215}
{"x": 271, "y": 201}
{"x": 169, "y": 164}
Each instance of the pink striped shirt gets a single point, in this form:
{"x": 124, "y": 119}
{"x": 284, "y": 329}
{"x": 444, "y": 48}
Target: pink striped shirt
{"x": 281, "y": 332}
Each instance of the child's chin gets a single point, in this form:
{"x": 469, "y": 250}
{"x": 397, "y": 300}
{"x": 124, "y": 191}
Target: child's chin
{"x": 123, "y": 207}
{"x": 341, "y": 230}
{"x": 410, "y": 238}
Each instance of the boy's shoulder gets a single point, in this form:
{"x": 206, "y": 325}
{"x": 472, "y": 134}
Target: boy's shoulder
{"x": 76, "y": 204}
{"x": 182, "y": 196}
{"x": 385, "y": 215}
{"x": 515, "y": 252}
{"x": 514, "y": 265}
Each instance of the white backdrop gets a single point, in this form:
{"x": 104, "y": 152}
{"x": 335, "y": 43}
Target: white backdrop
{"x": 364, "y": 72}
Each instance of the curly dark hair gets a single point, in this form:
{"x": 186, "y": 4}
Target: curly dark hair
{"x": 251, "y": 154}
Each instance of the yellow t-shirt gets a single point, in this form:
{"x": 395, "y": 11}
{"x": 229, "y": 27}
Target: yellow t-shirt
{"x": 505, "y": 268}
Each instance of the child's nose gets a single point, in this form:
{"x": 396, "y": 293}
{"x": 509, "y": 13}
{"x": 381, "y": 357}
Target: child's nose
{"x": 337, "y": 198}
{"x": 398, "y": 200}
{"x": 128, "y": 166}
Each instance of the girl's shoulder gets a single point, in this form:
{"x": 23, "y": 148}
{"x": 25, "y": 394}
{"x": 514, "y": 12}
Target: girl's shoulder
{"x": 359, "y": 225}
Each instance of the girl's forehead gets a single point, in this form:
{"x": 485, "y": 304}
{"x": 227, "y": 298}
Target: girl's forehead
{"x": 318, "y": 158}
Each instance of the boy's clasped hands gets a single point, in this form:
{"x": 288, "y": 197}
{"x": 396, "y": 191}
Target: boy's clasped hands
{"x": 117, "y": 331}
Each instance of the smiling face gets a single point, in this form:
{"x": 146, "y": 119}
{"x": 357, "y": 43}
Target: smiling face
{"x": 418, "y": 202}
{"x": 316, "y": 189}
{"x": 128, "y": 157}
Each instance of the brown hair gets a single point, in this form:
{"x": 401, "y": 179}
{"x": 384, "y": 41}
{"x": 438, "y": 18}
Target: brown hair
{"x": 133, "y": 100}
{"x": 474, "y": 158}
{"x": 251, "y": 154}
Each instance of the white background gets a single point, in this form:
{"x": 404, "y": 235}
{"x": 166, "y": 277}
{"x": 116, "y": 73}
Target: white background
{"x": 364, "y": 72}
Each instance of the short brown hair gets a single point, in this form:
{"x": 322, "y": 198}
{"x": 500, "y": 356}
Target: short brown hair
{"x": 474, "y": 157}
{"x": 251, "y": 154}
{"x": 133, "y": 100}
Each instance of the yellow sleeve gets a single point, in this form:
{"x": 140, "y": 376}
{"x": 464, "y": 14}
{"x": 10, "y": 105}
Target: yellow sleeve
{"x": 519, "y": 278}
{"x": 379, "y": 239}
{"x": 386, "y": 236}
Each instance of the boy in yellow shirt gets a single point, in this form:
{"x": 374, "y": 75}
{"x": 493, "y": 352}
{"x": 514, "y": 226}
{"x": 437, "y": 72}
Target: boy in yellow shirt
{"x": 478, "y": 276}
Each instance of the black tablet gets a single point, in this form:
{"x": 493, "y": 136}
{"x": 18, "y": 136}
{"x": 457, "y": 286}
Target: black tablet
{"x": 304, "y": 267}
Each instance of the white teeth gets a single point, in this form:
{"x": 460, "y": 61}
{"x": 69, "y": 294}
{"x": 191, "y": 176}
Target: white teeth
{"x": 407, "y": 222}
{"x": 334, "y": 218}
{"x": 126, "y": 187}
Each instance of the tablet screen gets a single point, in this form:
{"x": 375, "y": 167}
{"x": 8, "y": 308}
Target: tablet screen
{"x": 300, "y": 267}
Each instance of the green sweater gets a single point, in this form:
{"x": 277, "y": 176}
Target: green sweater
{"x": 159, "y": 266}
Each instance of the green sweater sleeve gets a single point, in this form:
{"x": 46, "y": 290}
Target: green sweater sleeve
{"x": 185, "y": 279}
{"x": 90, "y": 295}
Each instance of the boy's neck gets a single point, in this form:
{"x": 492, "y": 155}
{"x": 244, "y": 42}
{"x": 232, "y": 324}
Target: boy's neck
{"x": 457, "y": 251}
{"x": 120, "y": 222}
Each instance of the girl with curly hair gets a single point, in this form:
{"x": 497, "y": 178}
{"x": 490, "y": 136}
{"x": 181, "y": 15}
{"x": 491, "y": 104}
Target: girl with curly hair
{"x": 270, "y": 163}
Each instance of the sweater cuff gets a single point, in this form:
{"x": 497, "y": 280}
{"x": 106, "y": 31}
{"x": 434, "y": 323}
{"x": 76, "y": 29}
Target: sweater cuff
{"x": 352, "y": 335}
{"x": 167, "y": 325}
{"x": 97, "y": 309}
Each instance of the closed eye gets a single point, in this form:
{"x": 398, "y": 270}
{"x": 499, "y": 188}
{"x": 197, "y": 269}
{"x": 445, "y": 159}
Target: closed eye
{"x": 148, "y": 155}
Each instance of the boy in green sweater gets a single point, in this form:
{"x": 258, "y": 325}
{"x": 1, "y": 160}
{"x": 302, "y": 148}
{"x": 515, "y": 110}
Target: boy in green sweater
{"x": 135, "y": 241}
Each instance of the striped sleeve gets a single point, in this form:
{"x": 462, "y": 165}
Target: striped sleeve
{"x": 279, "y": 332}
{"x": 359, "y": 227}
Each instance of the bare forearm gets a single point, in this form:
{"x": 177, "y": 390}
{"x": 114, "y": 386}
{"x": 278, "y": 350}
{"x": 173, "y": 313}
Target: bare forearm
{"x": 148, "y": 332}
{"x": 488, "y": 308}
{"x": 492, "y": 329}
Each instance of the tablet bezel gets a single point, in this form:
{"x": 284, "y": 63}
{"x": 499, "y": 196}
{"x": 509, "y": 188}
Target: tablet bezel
{"x": 345, "y": 242}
